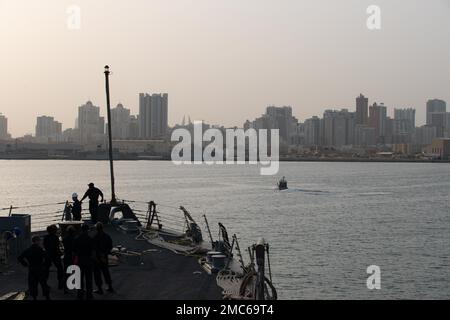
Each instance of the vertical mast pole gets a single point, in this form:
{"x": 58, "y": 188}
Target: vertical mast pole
{"x": 111, "y": 160}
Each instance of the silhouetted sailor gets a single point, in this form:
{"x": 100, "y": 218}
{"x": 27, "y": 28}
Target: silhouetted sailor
{"x": 52, "y": 247}
{"x": 103, "y": 246}
{"x": 68, "y": 241}
{"x": 34, "y": 259}
{"x": 76, "y": 207}
{"x": 83, "y": 248}
{"x": 93, "y": 193}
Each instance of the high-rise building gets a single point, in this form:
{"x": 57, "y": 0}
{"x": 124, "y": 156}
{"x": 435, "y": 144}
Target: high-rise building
{"x": 120, "y": 122}
{"x": 433, "y": 106}
{"x": 438, "y": 120}
{"x": 436, "y": 116}
{"x": 282, "y": 119}
{"x": 378, "y": 121}
{"x": 441, "y": 121}
{"x": 4, "y": 127}
{"x": 424, "y": 135}
{"x": 362, "y": 106}
{"x": 312, "y": 131}
{"x": 364, "y": 135}
{"x": 133, "y": 131}
{"x": 447, "y": 125}
{"x": 404, "y": 124}
{"x": 389, "y": 131}
{"x": 48, "y": 128}
{"x": 90, "y": 124}
{"x": 153, "y": 115}
{"x": 278, "y": 118}
{"x": 402, "y": 132}
{"x": 407, "y": 114}
{"x": 338, "y": 127}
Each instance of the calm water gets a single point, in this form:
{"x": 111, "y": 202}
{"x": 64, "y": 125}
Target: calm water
{"x": 334, "y": 221}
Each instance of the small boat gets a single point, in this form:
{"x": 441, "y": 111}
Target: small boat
{"x": 282, "y": 184}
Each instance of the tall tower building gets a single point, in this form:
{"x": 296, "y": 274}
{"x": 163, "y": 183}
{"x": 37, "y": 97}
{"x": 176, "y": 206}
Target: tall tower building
{"x": 312, "y": 131}
{"x": 435, "y": 106}
{"x": 120, "y": 121}
{"x": 153, "y": 115}
{"x": 90, "y": 124}
{"x": 408, "y": 115}
{"x": 339, "y": 127}
{"x": 378, "y": 121}
{"x": 3, "y": 127}
{"x": 438, "y": 120}
{"x": 404, "y": 124}
{"x": 424, "y": 135}
{"x": 133, "y": 129}
{"x": 364, "y": 135}
{"x": 362, "y": 106}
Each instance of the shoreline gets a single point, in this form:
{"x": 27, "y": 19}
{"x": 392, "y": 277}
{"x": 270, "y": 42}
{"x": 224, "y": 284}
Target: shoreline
{"x": 159, "y": 158}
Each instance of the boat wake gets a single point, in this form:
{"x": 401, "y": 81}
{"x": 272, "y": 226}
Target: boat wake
{"x": 308, "y": 191}
{"x": 371, "y": 194}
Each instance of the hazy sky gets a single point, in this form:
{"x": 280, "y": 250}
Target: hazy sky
{"x": 222, "y": 61}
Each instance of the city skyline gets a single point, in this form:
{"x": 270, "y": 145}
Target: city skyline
{"x": 221, "y": 60}
{"x": 390, "y": 112}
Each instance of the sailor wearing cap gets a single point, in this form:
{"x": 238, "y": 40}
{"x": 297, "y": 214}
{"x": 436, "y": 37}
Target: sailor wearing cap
{"x": 76, "y": 207}
{"x": 93, "y": 193}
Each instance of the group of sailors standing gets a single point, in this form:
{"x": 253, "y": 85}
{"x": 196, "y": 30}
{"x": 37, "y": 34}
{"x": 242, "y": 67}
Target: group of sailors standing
{"x": 89, "y": 253}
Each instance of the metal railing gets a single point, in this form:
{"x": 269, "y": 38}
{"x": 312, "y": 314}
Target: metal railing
{"x": 43, "y": 215}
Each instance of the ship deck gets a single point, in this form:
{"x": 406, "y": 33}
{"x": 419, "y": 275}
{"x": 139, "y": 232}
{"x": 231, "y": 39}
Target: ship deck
{"x": 162, "y": 275}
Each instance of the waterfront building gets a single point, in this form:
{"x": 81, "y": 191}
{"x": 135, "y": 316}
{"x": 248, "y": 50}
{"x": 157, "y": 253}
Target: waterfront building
{"x": 299, "y": 136}
{"x": 91, "y": 125}
{"x": 364, "y": 136}
{"x": 424, "y": 135}
{"x": 338, "y": 128}
{"x": 440, "y": 148}
{"x": 4, "y": 128}
{"x": 402, "y": 133}
{"x": 71, "y": 135}
{"x": 278, "y": 118}
{"x": 433, "y": 106}
{"x": 408, "y": 118}
{"x": 156, "y": 147}
{"x": 120, "y": 121}
{"x": 438, "y": 120}
{"x": 133, "y": 131}
{"x": 404, "y": 124}
{"x": 282, "y": 119}
{"x": 47, "y": 129}
{"x": 361, "y": 114}
{"x": 378, "y": 121}
{"x": 153, "y": 115}
{"x": 312, "y": 132}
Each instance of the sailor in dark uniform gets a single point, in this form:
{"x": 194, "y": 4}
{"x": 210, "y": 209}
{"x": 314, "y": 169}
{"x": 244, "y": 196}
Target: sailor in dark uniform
{"x": 68, "y": 241}
{"x": 83, "y": 249}
{"x": 34, "y": 259}
{"x": 76, "y": 208}
{"x": 103, "y": 246}
{"x": 52, "y": 246}
{"x": 93, "y": 193}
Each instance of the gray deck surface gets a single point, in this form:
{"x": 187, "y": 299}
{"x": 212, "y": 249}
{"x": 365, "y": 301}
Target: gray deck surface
{"x": 164, "y": 275}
